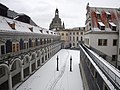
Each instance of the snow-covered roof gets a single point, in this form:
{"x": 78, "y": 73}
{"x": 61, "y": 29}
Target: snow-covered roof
{"x": 101, "y": 24}
{"x": 22, "y": 27}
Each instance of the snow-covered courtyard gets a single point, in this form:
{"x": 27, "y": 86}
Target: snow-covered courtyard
{"x": 48, "y": 78}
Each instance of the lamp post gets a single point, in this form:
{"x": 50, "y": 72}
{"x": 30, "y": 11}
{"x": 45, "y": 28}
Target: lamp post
{"x": 71, "y": 64}
{"x": 57, "y": 63}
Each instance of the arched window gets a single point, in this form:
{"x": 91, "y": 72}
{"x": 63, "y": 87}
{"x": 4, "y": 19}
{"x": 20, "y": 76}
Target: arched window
{"x": 77, "y": 38}
{"x": 70, "y": 38}
{"x": 81, "y": 38}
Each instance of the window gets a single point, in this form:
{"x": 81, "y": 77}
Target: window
{"x": 31, "y": 29}
{"x": 81, "y": 33}
{"x": 41, "y": 31}
{"x": 24, "y": 47}
{"x": 13, "y": 47}
{"x": 8, "y": 46}
{"x": 114, "y": 42}
{"x": 102, "y": 42}
{"x": 12, "y": 25}
{"x": 77, "y": 33}
{"x": 81, "y": 38}
{"x": 2, "y": 49}
{"x": 70, "y": 33}
{"x": 17, "y": 47}
{"x": 114, "y": 57}
{"x": 77, "y": 44}
{"x": 98, "y": 15}
{"x": 77, "y": 38}
{"x": 62, "y": 34}
{"x": 73, "y": 44}
{"x": 101, "y": 26}
{"x": 112, "y": 26}
{"x": 70, "y": 38}
{"x": 2, "y": 71}
{"x": 108, "y": 15}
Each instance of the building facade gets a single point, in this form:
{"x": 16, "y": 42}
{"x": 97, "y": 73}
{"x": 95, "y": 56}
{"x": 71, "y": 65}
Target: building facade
{"x": 24, "y": 48}
{"x": 101, "y": 32}
{"x": 72, "y": 37}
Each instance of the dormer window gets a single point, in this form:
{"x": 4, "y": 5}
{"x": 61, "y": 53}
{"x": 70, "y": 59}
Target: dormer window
{"x": 112, "y": 26}
{"x": 12, "y": 25}
{"x": 41, "y": 31}
{"x": 98, "y": 15}
{"x": 101, "y": 26}
{"x": 31, "y": 29}
{"x": 47, "y": 32}
{"x": 108, "y": 15}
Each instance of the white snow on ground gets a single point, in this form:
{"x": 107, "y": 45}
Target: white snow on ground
{"x": 47, "y": 78}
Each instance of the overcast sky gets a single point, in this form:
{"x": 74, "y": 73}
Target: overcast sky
{"x": 72, "y": 12}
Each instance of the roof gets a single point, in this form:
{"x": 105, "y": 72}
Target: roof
{"x": 22, "y": 27}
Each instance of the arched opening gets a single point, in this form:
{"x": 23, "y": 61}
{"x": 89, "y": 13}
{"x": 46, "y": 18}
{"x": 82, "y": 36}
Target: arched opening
{"x": 46, "y": 51}
{"x": 16, "y": 71}
{"x": 38, "y": 61}
{"x": 33, "y": 58}
{"x": 26, "y": 62}
{"x": 4, "y": 70}
{"x": 42, "y": 57}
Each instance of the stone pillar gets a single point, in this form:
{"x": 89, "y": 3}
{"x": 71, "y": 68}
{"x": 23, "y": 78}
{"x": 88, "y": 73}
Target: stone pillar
{"x": 36, "y": 64}
{"x": 22, "y": 74}
{"x": 10, "y": 81}
{"x": 30, "y": 68}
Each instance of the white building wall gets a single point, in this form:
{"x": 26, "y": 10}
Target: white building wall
{"x": 109, "y": 49}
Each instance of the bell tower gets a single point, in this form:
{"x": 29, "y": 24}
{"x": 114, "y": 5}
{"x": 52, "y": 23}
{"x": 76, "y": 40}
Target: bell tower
{"x": 56, "y": 23}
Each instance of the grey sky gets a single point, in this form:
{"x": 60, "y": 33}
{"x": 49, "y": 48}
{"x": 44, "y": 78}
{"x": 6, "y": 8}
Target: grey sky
{"x": 72, "y": 12}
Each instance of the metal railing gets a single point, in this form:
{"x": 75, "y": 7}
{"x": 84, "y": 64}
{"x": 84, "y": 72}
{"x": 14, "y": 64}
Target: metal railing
{"x": 112, "y": 73}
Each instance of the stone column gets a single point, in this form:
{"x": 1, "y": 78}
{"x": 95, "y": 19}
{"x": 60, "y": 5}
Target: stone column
{"x": 36, "y": 63}
{"x": 10, "y": 81}
{"x": 22, "y": 74}
{"x": 30, "y": 68}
